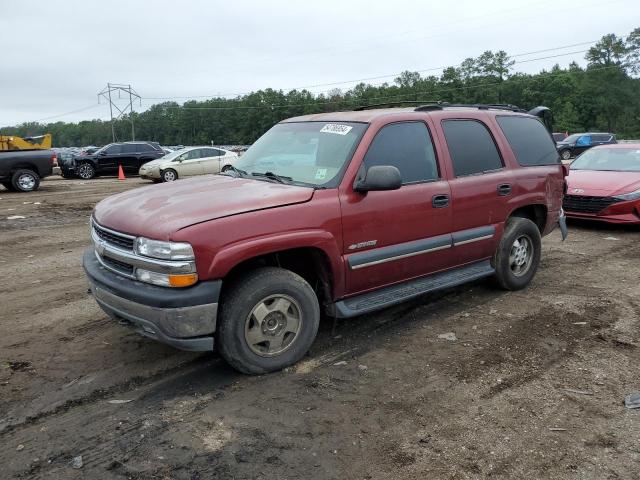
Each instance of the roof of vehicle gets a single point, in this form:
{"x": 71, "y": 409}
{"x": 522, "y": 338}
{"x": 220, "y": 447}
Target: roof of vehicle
{"x": 369, "y": 115}
{"x": 629, "y": 145}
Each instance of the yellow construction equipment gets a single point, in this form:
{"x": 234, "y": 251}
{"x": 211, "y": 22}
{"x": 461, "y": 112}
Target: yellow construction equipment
{"x": 11, "y": 142}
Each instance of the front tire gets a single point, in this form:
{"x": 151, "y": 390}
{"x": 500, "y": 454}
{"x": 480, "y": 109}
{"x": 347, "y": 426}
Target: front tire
{"x": 86, "y": 171}
{"x": 169, "y": 175}
{"x": 268, "y": 320}
{"x": 517, "y": 258}
{"x": 565, "y": 154}
{"x": 25, "y": 180}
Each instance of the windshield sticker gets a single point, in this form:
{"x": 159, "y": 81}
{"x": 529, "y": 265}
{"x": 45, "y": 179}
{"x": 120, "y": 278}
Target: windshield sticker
{"x": 336, "y": 128}
{"x": 321, "y": 173}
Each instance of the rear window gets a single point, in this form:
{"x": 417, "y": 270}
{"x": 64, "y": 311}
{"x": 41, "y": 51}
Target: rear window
{"x": 129, "y": 148}
{"x": 531, "y": 143}
{"x": 471, "y": 147}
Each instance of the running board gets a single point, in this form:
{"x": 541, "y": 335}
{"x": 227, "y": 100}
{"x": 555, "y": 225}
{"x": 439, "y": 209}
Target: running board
{"x": 387, "y": 296}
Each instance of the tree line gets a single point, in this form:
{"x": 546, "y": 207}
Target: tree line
{"x": 603, "y": 96}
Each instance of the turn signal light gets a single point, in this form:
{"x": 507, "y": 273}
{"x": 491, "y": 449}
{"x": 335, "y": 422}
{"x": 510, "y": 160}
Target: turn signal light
{"x": 183, "y": 280}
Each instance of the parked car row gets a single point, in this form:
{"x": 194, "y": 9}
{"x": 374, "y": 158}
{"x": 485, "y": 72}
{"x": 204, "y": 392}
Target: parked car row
{"x": 188, "y": 162}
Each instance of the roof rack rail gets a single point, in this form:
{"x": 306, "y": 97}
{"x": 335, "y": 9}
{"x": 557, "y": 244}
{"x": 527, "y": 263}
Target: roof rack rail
{"x": 389, "y": 104}
{"x": 479, "y": 106}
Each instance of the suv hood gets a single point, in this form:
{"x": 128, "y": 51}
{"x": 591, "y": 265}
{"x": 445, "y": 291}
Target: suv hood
{"x": 602, "y": 183}
{"x": 157, "y": 211}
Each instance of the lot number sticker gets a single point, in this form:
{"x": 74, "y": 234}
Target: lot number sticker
{"x": 321, "y": 173}
{"x": 336, "y": 128}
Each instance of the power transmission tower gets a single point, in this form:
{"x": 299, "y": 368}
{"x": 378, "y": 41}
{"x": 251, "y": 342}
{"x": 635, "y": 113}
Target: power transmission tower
{"x": 121, "y": 89}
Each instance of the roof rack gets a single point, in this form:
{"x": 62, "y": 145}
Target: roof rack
{"x": 391, "y": 104}
{"x": 480, "y": 106}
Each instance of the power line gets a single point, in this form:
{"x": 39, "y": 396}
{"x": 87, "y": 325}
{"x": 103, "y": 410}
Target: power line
{"x": 379, "y": 77}
{"x": 392, "y": 97}
{"x": 68, "y": 113}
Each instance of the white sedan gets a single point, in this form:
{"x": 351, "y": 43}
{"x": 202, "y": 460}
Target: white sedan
{"x": 188, "y": 162}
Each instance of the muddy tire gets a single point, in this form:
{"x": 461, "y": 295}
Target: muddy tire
{"x": 25, "y": 180}
{"x": 169, "y": 175}
{"x": 268, "y": 320}
{"x": 565, "y": 154}
{"x": 517, "y": 258}
{"x": 86, "y": 171}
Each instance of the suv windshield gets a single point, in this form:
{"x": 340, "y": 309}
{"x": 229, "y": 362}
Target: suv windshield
{"x": 609, "y": 159}
{"x": 304, "y": 153}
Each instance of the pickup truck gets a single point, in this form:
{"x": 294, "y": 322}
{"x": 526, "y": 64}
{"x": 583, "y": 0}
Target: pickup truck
{"x": 22, "y": 170}
{"x": 338, "y": 213}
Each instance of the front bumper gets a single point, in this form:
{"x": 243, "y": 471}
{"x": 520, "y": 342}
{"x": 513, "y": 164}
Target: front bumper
{"x": 183, "y": 318}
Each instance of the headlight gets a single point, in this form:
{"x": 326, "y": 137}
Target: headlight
{"x": 164, "y": 250}
{"x": 628, "y": 196}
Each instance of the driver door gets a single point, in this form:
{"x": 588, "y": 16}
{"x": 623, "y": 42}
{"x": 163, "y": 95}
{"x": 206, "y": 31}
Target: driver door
{"x": 396, "y": 235}
{"x": 189, "y": 163}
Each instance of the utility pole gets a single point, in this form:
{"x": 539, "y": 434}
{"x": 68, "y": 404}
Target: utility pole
{"x": 120, "y": 88}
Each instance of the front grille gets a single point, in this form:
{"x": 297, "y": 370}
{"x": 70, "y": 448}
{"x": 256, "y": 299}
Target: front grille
{"x": 117, "y": 265}
{"x": 586, "y": 204}
{"x": 113, "y": 238}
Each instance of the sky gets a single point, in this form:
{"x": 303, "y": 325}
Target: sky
{"x": 57, "y": 55}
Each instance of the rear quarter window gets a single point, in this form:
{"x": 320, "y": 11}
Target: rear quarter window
{"x": 531, "y": 143}
{"x": 471, "y": 147}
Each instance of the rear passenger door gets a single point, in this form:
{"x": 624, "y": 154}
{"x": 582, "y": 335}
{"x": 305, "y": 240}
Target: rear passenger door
{"x": 391, "y": 236}
{"x": 480, "y": 188}
{"x": 211, "y": 158}
{"x": 129, "y": 157}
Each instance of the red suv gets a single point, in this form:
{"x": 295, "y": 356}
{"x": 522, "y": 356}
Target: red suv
{"x": 345, "y": 213}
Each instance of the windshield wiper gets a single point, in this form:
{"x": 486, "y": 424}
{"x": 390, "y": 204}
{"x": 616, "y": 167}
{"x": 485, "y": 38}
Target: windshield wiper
{"x": 238, "y": 173}
{"x": 273, "y": 176}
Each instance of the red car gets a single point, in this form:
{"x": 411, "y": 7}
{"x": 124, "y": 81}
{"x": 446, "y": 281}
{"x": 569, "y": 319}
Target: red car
{"x": 604, "y": 184}
{"x": 343, "y": 213}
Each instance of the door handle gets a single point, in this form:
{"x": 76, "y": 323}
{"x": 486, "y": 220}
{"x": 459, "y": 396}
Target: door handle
{"x": 504, "y": 189}
{"x": 440, "y": 201}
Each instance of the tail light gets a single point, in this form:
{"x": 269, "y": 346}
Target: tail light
{"x": 54, "y": 159}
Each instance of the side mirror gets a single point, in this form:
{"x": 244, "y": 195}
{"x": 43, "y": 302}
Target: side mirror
{"x": 102, "y": 152}
{"x": 378, "y": 178}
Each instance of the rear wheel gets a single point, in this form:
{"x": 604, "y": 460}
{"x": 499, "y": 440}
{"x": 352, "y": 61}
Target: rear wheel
{"x": 169, "y": 175}
{"x": 86, "y": 171}
{"x": 25, "y": 180}
{"x": 565, "y": 154}
{"x": 518, "y": 256}
{"x": 268, "y": 320}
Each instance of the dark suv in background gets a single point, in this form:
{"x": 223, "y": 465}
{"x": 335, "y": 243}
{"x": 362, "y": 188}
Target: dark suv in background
{"x": 575, "y": 144}
{"x": 131, "y": 155}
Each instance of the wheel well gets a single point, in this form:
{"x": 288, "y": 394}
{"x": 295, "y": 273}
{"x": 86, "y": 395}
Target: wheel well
{"x": 536, "y": 213}
{"x": 310, "y": 263}
{"x": 24, "y": 166}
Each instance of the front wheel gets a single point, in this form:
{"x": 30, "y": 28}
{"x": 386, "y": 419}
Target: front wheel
{"x": 169, "y": 175}
{"x": 86, "y": 171}
{"x": 268, "y": 320}
{"x": 25, "y": 180}
{"x": 518, "y": 255}
{"x": 226, "y": 168}
{"x": 565, "y": 154}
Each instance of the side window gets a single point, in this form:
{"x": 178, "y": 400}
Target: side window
{"x": 584, "y": 141}
{"x": 114, "y": 149}
{"x": 193, "y": 154}
{"x": 130, "y": 148}
{"x": 529, "y": 140}
{"x": 145, "y": 147}
{"x": 406, "y": 146}
{"x": 471, "y": 147}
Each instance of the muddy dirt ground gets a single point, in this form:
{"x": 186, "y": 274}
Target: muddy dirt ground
{"x": 530, "y": 385}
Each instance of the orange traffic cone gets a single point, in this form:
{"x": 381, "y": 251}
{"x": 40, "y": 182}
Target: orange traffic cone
{"x": 120, "y": 173}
